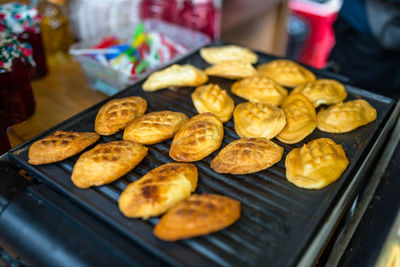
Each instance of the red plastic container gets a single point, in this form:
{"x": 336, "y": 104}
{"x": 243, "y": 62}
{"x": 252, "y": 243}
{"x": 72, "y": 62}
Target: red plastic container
{"x": 321, "y": 38}
{"x": 201, "y": 15}
{"x": 16, "y": 96}
{"x": 166, "y": 10}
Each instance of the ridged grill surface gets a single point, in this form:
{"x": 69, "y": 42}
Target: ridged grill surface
{"x": 278, "y": 220}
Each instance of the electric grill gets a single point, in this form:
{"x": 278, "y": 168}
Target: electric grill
{"x": 280, "y": 224}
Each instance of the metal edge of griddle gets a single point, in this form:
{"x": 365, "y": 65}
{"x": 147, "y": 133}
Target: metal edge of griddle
{"x": 317, "y": 244}
{"x": 370, "y": 189}
{"x": 391, "y": 241}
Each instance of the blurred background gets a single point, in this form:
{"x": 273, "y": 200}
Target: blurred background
{"x": 77, "y": 52}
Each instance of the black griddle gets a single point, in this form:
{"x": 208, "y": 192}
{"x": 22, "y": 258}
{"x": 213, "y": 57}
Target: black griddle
{"x": 278, "y": 222}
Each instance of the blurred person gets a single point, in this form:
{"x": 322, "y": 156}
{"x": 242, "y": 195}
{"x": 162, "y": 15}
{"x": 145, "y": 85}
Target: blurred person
{"x": 367, "y": 48}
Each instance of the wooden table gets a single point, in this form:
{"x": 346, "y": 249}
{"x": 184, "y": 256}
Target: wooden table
{"x": 61, "y": 94}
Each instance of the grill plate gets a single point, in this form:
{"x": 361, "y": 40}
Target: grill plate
{"x": 278, "y": 220}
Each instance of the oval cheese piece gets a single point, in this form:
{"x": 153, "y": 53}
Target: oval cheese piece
{"x": 175, "y": 76}
{"x": 300, "y": 119}
{"x": 158, "y": 190}
{"x": 116, "y": 114}
{"x": 323, "y": 91}
{"x": 211, "y": 98}
{"x": 316, "y": 164}
{"x": 247, "y": 156}
{"x": 106, "y": 163}
{"x": 198, "y": 215}
{"x": 260, "y": 89}
{"x": 345, "y": 117}
{"x": 258, "y": 120}
{"x": 198, "y": 138}
{"x": 286, "y": 72}
{"x": 59, "y": 146}
{"x": 231, "y": 69}
{"x": 155, "y": 127}
{"x": 218, "y": 54}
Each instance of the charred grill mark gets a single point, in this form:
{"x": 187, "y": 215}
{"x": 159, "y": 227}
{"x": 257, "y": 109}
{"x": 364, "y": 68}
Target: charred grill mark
{"x": 203, "y": 214}
{"x": 210, "y": 206}
{"x": 200, "y": 125}
{"x": 96, "y": 159}
{"x": 162, "y": 177}
{"x": 173, "y": 168}
{"x": 150, "y": 191}
{"x": 185, "y": 212}
{"x": 148, "y": 181}
{"x": 163, "y": 170}
{"x": 195, "y": 202}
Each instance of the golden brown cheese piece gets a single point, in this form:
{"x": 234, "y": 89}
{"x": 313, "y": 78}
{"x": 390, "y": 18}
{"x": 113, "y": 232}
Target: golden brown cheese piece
{"x": 316, "y": 164}
{"x": 345, "y": 117}
{"x": 301, "y": 119}
{"x": 215, "y": 55}
{"x": 159, "y": 190}
{"x": 260, "y": 89}
{"x": 175, "y": 76}
{"x": 210, "y": 98}
{"x": 231, "y": 69}
{"x": 59, "y": 146}
{"x": 116, "y": 114}
{"x": 247, "y": 156}
{"x": 198, "y": 215}
{"x": 323, "y": 91}
{"x": 198, "y": 138}
{"x": 106, "y": 163}
{"x": 258, "y": 120}
{"x": 155, "y": 127}
{"x": 286, "y": 72}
